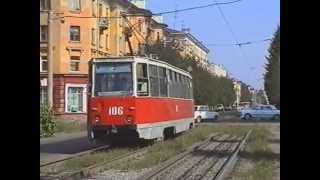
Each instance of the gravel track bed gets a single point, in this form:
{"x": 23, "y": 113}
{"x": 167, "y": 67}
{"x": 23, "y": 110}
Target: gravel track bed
{"x": 209, "y": 161}
{"x": 195, "y": 165}
{"x": 182, "y": 165}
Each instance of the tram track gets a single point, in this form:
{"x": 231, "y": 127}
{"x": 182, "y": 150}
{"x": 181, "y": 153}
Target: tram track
{"x": 95, "y": 168}
{"x": 211, "y": 160}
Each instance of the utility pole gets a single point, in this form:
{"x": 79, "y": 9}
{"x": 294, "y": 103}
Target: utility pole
{"x": 50, "y": 60}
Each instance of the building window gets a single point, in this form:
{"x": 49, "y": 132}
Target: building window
{"x": 158, "y": 36}
{"x": 43, "y": 95}
{"x": 43, "y": 33}
{"x": 100, "y": 39}
{"x": 74, "y": 33}
{"x": 44, "y": 4}
{"x": 107, "y": 42}
{"x": 93, "y": 36}
{"x": 75, "y": 98}
{"x": 74, "y": 5}
{"x": 93, "y": 8}
{"x": 75, "y": 63}
{"x": 100, "y": 10}
{"x": 43, "y": 64}
{"x": 140, "y": 25}
{"x": 107, "y": 12}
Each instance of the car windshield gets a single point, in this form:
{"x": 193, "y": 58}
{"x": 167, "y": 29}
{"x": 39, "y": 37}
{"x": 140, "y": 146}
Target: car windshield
{"x": 113, "y": 79}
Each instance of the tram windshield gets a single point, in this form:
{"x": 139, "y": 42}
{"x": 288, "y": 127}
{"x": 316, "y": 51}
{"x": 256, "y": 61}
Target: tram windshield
{"x": 113, "y": 79}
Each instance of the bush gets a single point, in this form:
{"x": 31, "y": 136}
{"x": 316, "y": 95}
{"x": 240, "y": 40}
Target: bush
{"x": 47, "y": 123}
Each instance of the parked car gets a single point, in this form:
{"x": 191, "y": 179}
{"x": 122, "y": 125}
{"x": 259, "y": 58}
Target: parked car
{"x": 228, "y": 108}
{"x": 261, "y": 111}
{"x": 219, "y": 107}
{"x": 202, "y": 112}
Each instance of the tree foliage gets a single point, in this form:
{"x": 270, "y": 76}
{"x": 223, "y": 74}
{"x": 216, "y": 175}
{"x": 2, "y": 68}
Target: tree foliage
{"x": 207, "y": 89}
{"x": 272, "y": 75}
{"x": 47, "y": 122}
{"x": 245, "y": 93}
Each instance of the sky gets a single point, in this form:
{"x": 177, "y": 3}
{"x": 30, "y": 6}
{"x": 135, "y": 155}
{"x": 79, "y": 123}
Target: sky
{"x": 250, "y": 20}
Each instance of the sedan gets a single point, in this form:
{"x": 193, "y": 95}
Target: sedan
{"x": 261, "y": 111}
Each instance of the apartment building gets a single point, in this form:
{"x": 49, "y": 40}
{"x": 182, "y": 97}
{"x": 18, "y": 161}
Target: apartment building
{"x": 217, "y": 70}
{"x": 81, "y": 30}
{"x": 189, "y": 45}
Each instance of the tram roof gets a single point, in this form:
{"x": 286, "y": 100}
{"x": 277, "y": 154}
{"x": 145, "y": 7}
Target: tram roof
{"x": 133, "y": 58}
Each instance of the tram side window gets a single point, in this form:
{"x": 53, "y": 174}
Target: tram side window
{"x": 169, "y": 82}
{"x": 184, "y": 87}
{"x": 154, "y": 80}
{"x": 163, "y": 82}
{"x": 191, "y": 88}
{"x": 142, "y": 80}
{"x": 179, "y": 92}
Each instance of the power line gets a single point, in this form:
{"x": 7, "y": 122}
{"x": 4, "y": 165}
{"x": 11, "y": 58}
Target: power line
{"x": 241, "y": 43}
{"x": 244, "y": 56}
{"x": 155, "y": 14}
{"x": 197, "y": 7}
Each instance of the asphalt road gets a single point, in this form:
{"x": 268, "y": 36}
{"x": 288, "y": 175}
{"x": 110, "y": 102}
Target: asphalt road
{"x": 64, "y": 146}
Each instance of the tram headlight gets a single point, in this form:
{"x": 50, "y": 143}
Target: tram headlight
{"x": 96, "y": 119}
{"x": 129, "y": 119}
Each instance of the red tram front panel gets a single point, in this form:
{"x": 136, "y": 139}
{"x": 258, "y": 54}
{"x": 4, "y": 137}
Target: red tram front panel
{"x": 120, "y": 111}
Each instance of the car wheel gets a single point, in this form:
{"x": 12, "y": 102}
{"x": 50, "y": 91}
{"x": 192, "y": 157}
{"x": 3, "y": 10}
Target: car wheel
{"x": 247, "y": 117}
{"x": 276, "y": 117}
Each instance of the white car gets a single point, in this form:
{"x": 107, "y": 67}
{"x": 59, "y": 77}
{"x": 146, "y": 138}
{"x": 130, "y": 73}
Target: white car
{"x": 219, "y": 107}
{"x": 261, "y": 111}
{"x": 203, "y": 112}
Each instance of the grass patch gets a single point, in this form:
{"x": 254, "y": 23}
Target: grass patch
{"x": 258, "y": 154}
{"x": 69, "y": 127}
{"x": 163, "y": 151}
{"x": 258, "y": 140}
{"x": 85, "y": 161}
{"x": 262, "y": 170}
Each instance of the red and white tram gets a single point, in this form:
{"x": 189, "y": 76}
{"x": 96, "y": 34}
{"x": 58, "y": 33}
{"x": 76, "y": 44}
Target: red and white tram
{"x": 138, "y": 95}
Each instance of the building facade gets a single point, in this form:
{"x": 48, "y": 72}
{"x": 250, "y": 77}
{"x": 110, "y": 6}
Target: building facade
{"x": 82, "y": 30}
{"x": 188, "y": 45}
{"x": 217, "y": 70}
{"x": 237, "y": 90}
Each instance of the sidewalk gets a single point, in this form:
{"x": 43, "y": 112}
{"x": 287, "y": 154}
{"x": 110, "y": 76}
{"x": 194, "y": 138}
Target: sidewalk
{"x": 62, "y": 137}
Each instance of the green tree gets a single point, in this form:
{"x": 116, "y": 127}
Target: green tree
{"x": 272, "y": 75}
{"x": 245, "y": 93}
{"x": 207, "y": 89}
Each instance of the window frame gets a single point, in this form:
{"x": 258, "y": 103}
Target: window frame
{"x": 93, "y": 36}
{"x": 41, "y": 65}
{"x": 71, "y": 8}
{"x": 45, "y": 7}
{"x": 79, "y": 28}
{"x": 93, "y": 3}
{"x": 46, "y": 33}
{"x": 43, "y": 94}
{"x": 77, "y": 61}
{"x": 84, "y": 97}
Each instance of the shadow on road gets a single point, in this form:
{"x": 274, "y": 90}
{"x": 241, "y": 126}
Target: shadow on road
{"x": 71, "y": 146}
{"x": 77, "y": 145}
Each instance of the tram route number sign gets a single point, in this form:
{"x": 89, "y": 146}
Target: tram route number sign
{"x": 115, "y": 110}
